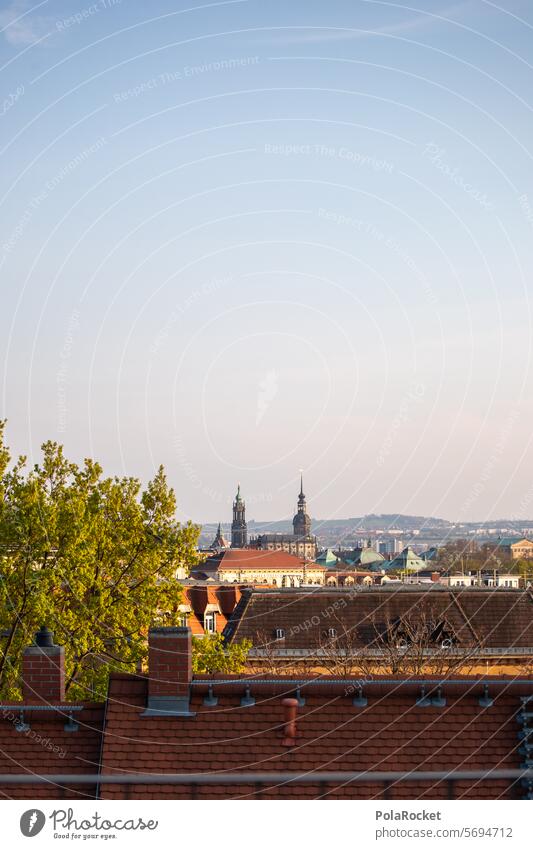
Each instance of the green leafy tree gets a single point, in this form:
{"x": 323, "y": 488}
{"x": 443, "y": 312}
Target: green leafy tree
{"x": 93, "y": 557}
{"x": 210, "y": 654}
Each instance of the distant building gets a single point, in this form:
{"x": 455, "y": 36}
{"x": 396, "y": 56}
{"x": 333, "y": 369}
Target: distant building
{"x": 347, "y": 578}
{"x": 406, "y": 561}
{"x": 518, "y": 548}
{"x": 390, "y": 546}
{"x": 220, "y": 542}
{"x": 483, "y": 579}
{"x": 300, "y": 543}
{"x": 430, "y": 553}
{"x": 255, "y": 566}
{"x": 367, "y": 558}
{"x": 329, "y": 559}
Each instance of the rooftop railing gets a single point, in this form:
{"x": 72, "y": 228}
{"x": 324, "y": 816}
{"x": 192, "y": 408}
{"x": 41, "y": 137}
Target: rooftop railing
{"x": 326, "y": 782}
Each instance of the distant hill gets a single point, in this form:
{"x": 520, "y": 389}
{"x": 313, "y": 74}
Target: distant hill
{"x": 335, "y": 527}
{"x": 333, "y": 531}
{"x": 372, "y": 521}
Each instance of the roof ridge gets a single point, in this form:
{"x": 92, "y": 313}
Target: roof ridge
{"x": 463, "y": 612}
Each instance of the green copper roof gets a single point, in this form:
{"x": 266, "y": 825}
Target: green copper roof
{"x": 406, "y": 560}
{"x": 327, "y": 558}
{"x": 368, "y": 555}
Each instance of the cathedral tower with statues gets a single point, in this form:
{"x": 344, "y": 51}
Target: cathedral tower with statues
{"x": 239, "y": 529}
{"x": 301, "y": 542}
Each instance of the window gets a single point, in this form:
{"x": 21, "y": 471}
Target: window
{"x": 331, "y": 633}
{"x": 182, "y": 620}
{"x": 279, "y": 634}
{"x": 210, "y": 623}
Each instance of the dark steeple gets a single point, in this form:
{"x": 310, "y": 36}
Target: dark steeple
{"x": 239, "y": 531}
{"x": 302, "y": 521}
{"x": 219, "y": 542}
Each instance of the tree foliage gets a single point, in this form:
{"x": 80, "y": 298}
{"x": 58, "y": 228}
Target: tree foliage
{"x": 93, "y": 557}
{"x": 211, "y": 655}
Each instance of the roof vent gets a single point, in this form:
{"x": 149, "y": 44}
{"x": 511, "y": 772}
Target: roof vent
{"x": 210, "y": 700}
{"x": 438, "y": 701}
{"x": 359, "y": 700}
{"x": 71, "y": 724}
{"x": 422, "y": 700}
{"x": 485, "y": 700}
{"x": 299, "y": 698}
{"x": 247, "y": 700}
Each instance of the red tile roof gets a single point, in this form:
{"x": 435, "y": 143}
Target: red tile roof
{"x": 250, "y": 558}
{"x": 168, "y": 722}
{"x": 391, "y": 734}
{"x": 47, "y": 748}
{"x": 484, "y": 617}
{"x": 199, "y": 596}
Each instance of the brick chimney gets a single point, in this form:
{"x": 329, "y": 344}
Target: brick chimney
{"x": 43, "y": 670}
{"x": 169, "y": 672}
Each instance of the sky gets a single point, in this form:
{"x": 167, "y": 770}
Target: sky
{"x": 243, "y": 238}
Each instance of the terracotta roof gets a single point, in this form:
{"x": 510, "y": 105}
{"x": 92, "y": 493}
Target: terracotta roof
{"x": 168, "y": 722}
{"x": 47, "y": 748}
{"x": 198, "y": 597}
{"x": 391, "y": 734}
{"x": 250, "y": 558}
{"x": 484, "y": 617}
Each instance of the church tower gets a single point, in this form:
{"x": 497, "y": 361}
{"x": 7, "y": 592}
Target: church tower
{"x": 302, "y": 521}
{"x": 239, "y": 531}
{"x": 220, "y": 542}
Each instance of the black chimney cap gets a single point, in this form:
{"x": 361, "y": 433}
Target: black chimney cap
{"x": 44, "y": 637}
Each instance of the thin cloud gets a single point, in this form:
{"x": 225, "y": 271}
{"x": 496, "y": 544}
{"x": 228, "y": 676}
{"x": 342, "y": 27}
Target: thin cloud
{"x": 20, "y": 26}
{"x": 322, "y": 35}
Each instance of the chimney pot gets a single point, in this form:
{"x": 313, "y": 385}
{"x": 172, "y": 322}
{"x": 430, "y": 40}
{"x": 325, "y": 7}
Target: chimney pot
{"x": 44, "y": 637}
{"x": 290, "y": 707}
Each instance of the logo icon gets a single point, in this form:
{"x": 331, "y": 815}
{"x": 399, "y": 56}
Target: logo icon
{"x": 32, "y": 822}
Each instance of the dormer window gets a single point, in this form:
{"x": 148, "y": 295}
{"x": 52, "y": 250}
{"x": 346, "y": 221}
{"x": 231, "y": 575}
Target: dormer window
{"x": 432, "y": 633}
{"x": 210, "y": 623}
{"x": 331, "y": 633}
{"x": 279, "y": 634}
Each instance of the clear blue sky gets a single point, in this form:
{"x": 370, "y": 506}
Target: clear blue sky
{"x": 246, "y": 238}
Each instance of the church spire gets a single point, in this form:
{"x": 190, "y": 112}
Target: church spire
{"x": 219, "y": 542}
{"x": 302, "y": 522}
{"x": 301, "y": 496}
{"x": 239, "y": 529}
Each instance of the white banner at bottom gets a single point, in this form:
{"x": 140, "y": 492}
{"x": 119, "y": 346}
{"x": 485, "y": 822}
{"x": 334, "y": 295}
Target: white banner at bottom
{"x": 236, "y": 824}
